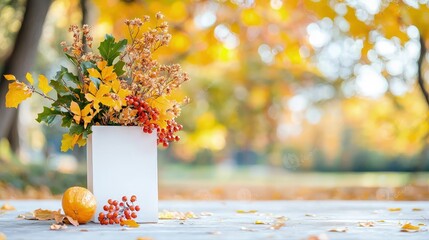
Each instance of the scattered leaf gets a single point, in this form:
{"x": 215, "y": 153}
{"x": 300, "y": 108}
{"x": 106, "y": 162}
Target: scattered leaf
{"x": 381, "y": 221}
{"x": 84, "y": 230}
{"x": 206, "y": 214}
{"x": 27, "y": 216}
{"x": 131, "y": 223}
{"x": 338, "y": 230}
{"x": 41, "y": 214}
{"x": 408, "y": 227}
{"x": 310, "y": 215}
{"x": 144, "y": 238}
{"x": 246, "y": 211}
{"x": 71, "y": 221}
{"x": 7, "y": 207}
{"x": 417, "y": 209}
{"x": 260, "y": 222}
{"x": 58, "y": 226}
{"x": 169, "y": 215}
{"x": 247, "y": 229}
{"x": 279, "y": 223}
{"x": 318, "y": 237}
{"x": 215, "y": 233}
{"x": 421, "y": 224}
{"x": 395, "y": 209}
{"x": 366, "y": 224}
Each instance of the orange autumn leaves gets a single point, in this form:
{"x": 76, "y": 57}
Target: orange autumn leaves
{"x": 109, "y": 93}
{"x": 19, "y": 91}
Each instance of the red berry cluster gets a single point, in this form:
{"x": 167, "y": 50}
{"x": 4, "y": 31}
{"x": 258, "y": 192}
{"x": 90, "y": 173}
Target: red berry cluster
{"x": 147, "y": 114}
{"x": 118, "y": 212}
{"x": 167, "y": 135}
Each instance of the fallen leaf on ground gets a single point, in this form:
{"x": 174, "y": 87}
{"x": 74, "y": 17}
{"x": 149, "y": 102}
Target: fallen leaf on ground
{"x": 408, "y": 227}
{"x": 338, "y": 230}
{"x": 247, "y": 211}
{"x": 169, "y": 215}
{"x": 27, "y": 216}
{"x": 206, "y": 214}
{"x": 395, "y": 209}
{"x": 7, "y": 207}
{"x": 72, "y": 221}
{"x": 421, "y": 224}
{"x": 215, "y": 233}
{"x": 84, "y": 230}
{"x": 366, "y": 224}
{"x": 310, "y": 215}
{"x": 131, "y": 223}
{"x": 279, "y": 223}
{"x": 58, "y": 226}
{"x": 417, "y": 209}
{"x": 318, "y": 237}
{"x": 144, "y": 238}
{"x": 247, "y": 229}
{"x": 42, "y": 214}
{"x": 381, "y": 221}
{"x": 260, "y": 222}
{"x": 2, "y": 236}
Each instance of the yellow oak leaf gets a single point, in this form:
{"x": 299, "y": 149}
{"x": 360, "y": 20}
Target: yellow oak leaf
{"x": 94, "y": 73}
{"x": 101, "y": 95}
{"x": 44, "y": 84}
{"x": 69, "y": 141}
{"x": 163, "y": 105}
{"x": 9, "y": 77}
{"x": 101, "y": 64}
{"x": 86, "y": 114}
{"x": 29, "y": 78}
{"x": 121, "y": 93}
{"x": 106, "y": 75}
{"x": 17, "y": 93}
{"x": 130, "y": 223}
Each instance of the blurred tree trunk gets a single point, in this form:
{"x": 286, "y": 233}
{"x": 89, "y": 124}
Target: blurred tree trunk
{"x": 20, "y": 61}
{"x": 420, "y": 78}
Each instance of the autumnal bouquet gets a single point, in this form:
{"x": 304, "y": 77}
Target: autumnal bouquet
{"x": 121, "y": 85}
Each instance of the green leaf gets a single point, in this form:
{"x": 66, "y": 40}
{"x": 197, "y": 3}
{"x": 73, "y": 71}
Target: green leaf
{"x": 58, "y": 86}
{"x": 67, "y": 76}
{"x": 66, "y": 121}
{"x": 87, "y": 65}
{"x": 48, "y": 115}
{"x": 109, "y": 49}
{"x": 63, "y": 100}
{"x": 118, "y": 68}
{"x": 71, "y": 59}
{"x": 76, "y": 129}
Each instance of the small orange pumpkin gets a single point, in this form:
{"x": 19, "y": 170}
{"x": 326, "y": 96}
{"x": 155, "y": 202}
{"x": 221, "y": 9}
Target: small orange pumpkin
{"x": 79, "y": 203}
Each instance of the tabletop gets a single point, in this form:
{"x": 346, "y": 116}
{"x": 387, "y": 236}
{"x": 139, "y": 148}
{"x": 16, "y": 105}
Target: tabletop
{"x": 239, "y": 220}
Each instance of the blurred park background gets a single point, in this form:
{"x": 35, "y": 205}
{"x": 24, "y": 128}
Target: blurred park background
{"x": 292, "y": 99}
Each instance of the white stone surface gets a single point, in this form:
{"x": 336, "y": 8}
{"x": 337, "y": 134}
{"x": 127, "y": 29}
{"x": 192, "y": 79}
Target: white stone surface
{"x": 305, "y": 218}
